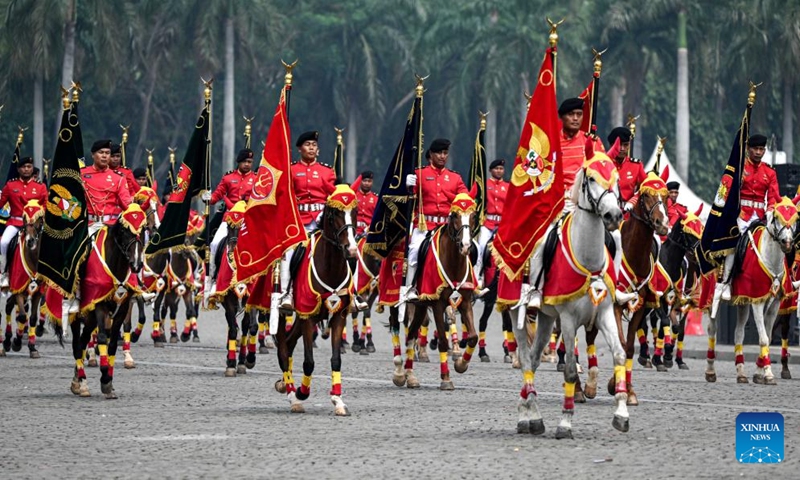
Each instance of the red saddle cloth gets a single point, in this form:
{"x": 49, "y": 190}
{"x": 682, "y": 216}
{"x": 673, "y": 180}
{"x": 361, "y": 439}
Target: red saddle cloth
{"x": 434, "y": 281}
{"x": 363, "y": 279}
{"x": 307, "y": 300}
{"x": 260, "y": 292}
{"x": 754, "y": 284}
{"x": 567, "y": 279}
{"x": 391, "y": 276}
{"x": 20, "y": 273}
{"x": 98, "y": 283}
{"x": 226, "y": 276}
{"x": 52, "y": 304}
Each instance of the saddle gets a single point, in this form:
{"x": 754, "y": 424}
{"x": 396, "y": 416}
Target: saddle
{"x": 297, "y": 258}
{"x": 741, "y": 250}
{"x": 551, "y": 243}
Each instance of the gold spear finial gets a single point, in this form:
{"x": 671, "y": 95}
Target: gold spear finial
{"x": 171, "y": 155}
{"x": 76, "y": 90}
{"x": 598, "y": 60}
{"x": 751, "y": 96}
{"x": 631, "y": 123}
{"x": 248, "y": 126}
{"x": 420, "y": 89}
{"x": 288, "y": 77}
{"x": 339, "y": 139}
{"x": 660, "y": 147}
{"x": 528, "y": 98}
{"x": 553, "y": 37}
{"x": 149, "y": 155}
{"x": 483, "y": 119}
{"x": 124, "y": 133}
{"x": 20, "y": 134}
{"x": 207, "y": 88}
{"x": 65, "y": 98}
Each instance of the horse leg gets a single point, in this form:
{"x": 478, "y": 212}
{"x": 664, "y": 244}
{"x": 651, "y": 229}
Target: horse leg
{"x": 764, "y": 315}
{"x": 79, "y": 385}
{"x": 783, "y": 320}
{"x": 137, "y": 332}
{"x": 530, "y": 419}
{"x": 590, "y": 390}
{"x": 233, "y": 334}
{"x": 113, "y": 342}
{"x": 511, "y": 340}
{"x": 659, "y": 336}
{"x": 398, "y": 376}
{"x": 483, "y": 322}
{"x": 442, "y": 328}
{"x": 628, "y": 343}
{"x": 644, "y": 348}
{"x": 250, "y": 326}
{"x": 104, "y": 333}
{"x": 450, "y": 323}
{"x": 191, "y": 318}
{"x": 679, "y": 334}
{"x": 126, "y": 336}
{"x": 461, "y": 364}
{"x": 568, "y": 330}
{"x": 420, "y": 315}
{"x": 370, "y": 346}
{"x": 422, "y": 341}
{"x": 158, "y": 314}
{"x": 22, "y": 322}
{"x": 263, "y": 333}
{"x": 337, "y": 324}
{"x": 742, "y": 315}
{"x": 33, "y": 325}
{"x": 607, "y": 324}
{"x": 356, "y": 337}
{"x": 307, "y": 328}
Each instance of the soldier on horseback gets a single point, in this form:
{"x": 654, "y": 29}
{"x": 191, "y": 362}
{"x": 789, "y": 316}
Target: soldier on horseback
{"x": 496, "y": 191}
{"x": 675, "y": 210}
{"x": 17, "y": 193}
{"x": 115, "y": 164}
{"x": 367, "y": 200}
{"x": 436, "y": 187}
{"x": 631, "y": 171}
{"x": 759, "y": 189}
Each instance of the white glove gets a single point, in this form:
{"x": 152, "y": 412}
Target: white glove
{"x": 206, "y": 196}
{"x": 411, "y": 180}
{"x": 628, "y": 206}
{"x": 319, "y": 218}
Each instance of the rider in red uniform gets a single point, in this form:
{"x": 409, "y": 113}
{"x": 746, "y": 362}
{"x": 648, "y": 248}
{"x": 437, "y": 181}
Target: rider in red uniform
{"x": 367, "y": 201}
{"x": 631, "y": 171}
{"x": 759, "y": 191}
{"x": 496, "y": 191}
{"x": 436, "y": 187}
{"x": 107, "y": 191}
{"x": 675, "y": 210}
{"x": 17, "y": 193}
{"x": 573, "y": 144}
{"x": 115, "y": 163}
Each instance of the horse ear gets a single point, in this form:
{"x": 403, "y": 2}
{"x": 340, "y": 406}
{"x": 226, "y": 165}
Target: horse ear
{"x": 665, "y": 174}
{"x": 699, "y": 211}
{"x": 473, "y": 192}
{"x": 589, "y": 147}
{"x": 614, "y": 150}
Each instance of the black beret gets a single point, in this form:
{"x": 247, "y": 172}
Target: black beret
{"x": 673, "y": 185}
{"x": 440, "y": 145}
{"x": 25, "y": 161}
{"x": 139, "y": 172}
{"x": 622, "y": 133}
{"x": 244, "y": 154}
{"x": 757, "y": 140}
{"x": 569, "y": 105}
{"x": 497, "y": 163}
{"x": 100, "y": 144}
{"x": 303, "y": 138}
{"x": 367, "y": 174}
{"x": 115, "y": 149}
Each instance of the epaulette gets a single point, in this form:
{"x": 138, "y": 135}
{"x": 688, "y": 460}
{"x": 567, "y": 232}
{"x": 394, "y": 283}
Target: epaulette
{"x": 228, "y": 172}
{"x": 118, "y": 172}
{"x": 450, "y": 169}
{"x": 635, "y": 160}
{"x": 325, "y": 164}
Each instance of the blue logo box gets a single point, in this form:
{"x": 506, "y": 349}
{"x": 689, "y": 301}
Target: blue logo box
{"x": 759, "y": 437}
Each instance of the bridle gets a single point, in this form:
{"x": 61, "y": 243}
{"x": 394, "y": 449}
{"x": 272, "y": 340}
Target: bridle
{"x": 594, "y": 203}
{"x": 453, "y": 232}
{"x": 37, "y": 230}
{"x": 648, "y": 219}
{"x": 135, "y": 240}
{"x": 329, "y": 217}
{"x": 776, "y": 235}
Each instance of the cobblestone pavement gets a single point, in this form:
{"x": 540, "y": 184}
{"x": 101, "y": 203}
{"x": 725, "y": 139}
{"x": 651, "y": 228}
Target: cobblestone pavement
{"x": 177, "y": 416}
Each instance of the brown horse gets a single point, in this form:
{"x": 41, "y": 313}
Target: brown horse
{"x": 447, "y": 259}
{"x": 366, "y": 281}
{"x": 322, "y": 291}
{"x": 26, "y": 292}
{"x": 106, "y": 292}
{"x": 648, "y": 217}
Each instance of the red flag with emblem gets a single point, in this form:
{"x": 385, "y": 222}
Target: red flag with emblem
{"x": 272, "y": 221}
{"x": 588, "y": 100}
{"x": 536, "y": 192}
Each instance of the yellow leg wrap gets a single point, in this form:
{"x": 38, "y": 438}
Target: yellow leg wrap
{"x": 193, "y": 321}
{"x": 464, "y": 328}
{"x": 410, "y": 352}
{"x": 591, "y": 350}
{"x": 79, "y": 362}
{"x": 765, "y": 351}
{"x": 527, "y": 376}
{"x": 287, "y": 378}
{"x": 442, "y": 357}
{"x": 453, "y": 329}
{"x": 470, "y": 350}
{"x": 290, "y": 321}
{"x": 126, "y": 337}
{"x": 367, "y": 323}
{"x": 667, "y": 331}
{"x": 355, "y": 322}
{"x": 738, "y": 349}
{"x": 103, "y": 349}
{"x": 252, "y": 340}
{"x": 654, "y": 331}
{"x": 336, "y": 378}
{"x": 619, "y": 373}
{"x": 712, "y": 343}
{"x": 231, "y": 345}
{"x": 291, "y": 364}
{"x": 680, "y": 345}
{"x": 262, "y": 327}
{"x": 32, "y": 332}
{"x": 111, "y": 360}
{"x": 640, "y": 332}
{"x": 509, "y": 336}
{"x": 629, "y": 365}
{"x": 187, "y": 324}
{"x": 569, "y": 389}
{"x": 156, "y": 326}
{"x": 306, "y": 381}
{"x": 659, "y": 343}
{"x": 395, "y": 339}
{"x": 784, "y": 343}
{"x": 553, "y": 338}
{"x": 423, "y": 331}
{"x": 482, "y": 335}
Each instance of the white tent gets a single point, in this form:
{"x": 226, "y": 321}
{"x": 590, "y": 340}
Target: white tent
{"x": 687, "y": 196}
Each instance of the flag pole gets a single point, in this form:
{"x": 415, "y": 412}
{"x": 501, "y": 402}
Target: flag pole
{"x": 287, "y": 83}
{"x": 207, "y": 187}
{"x": 338, "y": 155}
{"x": 248, "y": 130}
{"x": 150, "y": 173}
{"x": 122, "y": 144}
{"x": 598, "y": 69}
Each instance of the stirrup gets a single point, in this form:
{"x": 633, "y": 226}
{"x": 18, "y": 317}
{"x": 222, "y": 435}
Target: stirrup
{"x": 412, "y": 295}
{"x": 536, "y": 300}
{"x": 361, "y": 305}
{"x": 286, "y": 301}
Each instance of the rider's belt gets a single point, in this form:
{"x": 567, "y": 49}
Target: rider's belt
{"x": 15, "y": 218}
{"x": 100, "y": 218}
{"x": 494, "y": 218}
{"x": 435, "y": 219}
{"x": 753, "y": 204}
{"x": 311, "y": 207}
{"x": 362, "y": 224}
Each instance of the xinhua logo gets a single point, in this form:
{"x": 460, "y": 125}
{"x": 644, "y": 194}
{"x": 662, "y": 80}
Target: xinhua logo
{"x": 759, "y": 437}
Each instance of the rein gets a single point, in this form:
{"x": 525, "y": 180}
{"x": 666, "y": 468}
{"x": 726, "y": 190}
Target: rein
{"x": 648, "y": 219}
{"x": 319, "y": 280}
{"x": 328, "y": 219}
{"x": 594, "y": 204}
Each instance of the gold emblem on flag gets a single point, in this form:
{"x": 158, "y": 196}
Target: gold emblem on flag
{"x": 535, "y": 166}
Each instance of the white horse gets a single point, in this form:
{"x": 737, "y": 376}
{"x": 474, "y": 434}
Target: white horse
{"x": 585, "y": 260}
{"x": 760, "y": 285}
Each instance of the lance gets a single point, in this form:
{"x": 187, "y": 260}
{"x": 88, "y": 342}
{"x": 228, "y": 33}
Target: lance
{"x": 149, "y": 172}
{"x": 46, "y": 171}
{"x": 207, "y": 187}
{"x": 659, "y": 151}
{"x": 171, "y": 172}
{"x": 122, "y": 144}
{"x": 598, "y": 69}
{"x": 76, "y": 90}
{"x": 631, "y": 124}
{"x": 338, "y": 155}
{"x": 552, "y": 40}
{"x": 248, "y": 130}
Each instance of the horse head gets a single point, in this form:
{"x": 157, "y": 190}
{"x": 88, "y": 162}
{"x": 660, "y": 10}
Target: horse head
{"x": 462, "y": 215}
{"x": 651, "y": 207}
{"x": 147, "y": 198}
{"x": 33, "y": 217}
{"x": 128, "y": 235}
{"x": 338, "y": 220}
{"x": 781, "y": 220}
{"x": 687, "y": 233}
{"x": 597, "y": 190}
{"x": 194, "y": 228}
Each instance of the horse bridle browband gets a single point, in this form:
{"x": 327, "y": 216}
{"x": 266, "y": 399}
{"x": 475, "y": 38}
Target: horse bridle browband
{"x": 594, "y": 204}
{"x": 453, "y": 232}
{"x": 328, "y": 218}
{"x": 648, "y": 220}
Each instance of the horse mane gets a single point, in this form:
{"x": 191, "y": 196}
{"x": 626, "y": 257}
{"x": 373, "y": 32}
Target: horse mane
{"x": 576, "y": 187}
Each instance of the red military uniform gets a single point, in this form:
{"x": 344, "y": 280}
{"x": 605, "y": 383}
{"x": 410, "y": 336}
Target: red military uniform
{"x": 573, "y": 154}
{"x": 233, "y": 187}
{"x": 438, "y": 189}
{"x": 496, "y": 191}
{"x": 130, "y": 180}
{"x": 106, "y": 194}
{"x": 675, "y": 211}
{"x": 313, "y": 182}
{"x": 758, "y": 182}
{"x": 17, "y": 193}
{"x": 366, "y": 207}
{"x": 631, "y": 175}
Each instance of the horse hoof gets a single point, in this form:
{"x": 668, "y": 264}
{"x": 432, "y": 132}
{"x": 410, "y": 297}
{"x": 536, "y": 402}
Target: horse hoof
{"x": 537, "y": 427}
{"x": 590, "y": 391}
{"x": 342, "y": 349}
{"x": 2, "y": 352}
{"x": 241, "y": 369}
{"x": 341, "y": 412}
{"x": 158, "y": 344}
{"x": 621, "y": 423}
{"x": 580, "y": 397}
{"x": 668, "y": 363}
{"x": 280, "y": 386}
{"x": 411, "y": 380}
{"x": 460, "y": 366}
{"x": 174, "y": 339}
{"x": 786, "y": 374}
{"x": 447, "y": 385}
{"x": 263, "y": 350}
{"x": 507, "y": 359}
{"x": 485, "y": 359}
{"x": 363, "y": 352}
{"x": 561, "y": 367}
{"x": 231, "y": 372}
{"x": 523, "y": 426}
{"x": 370, "y": 347}
{"x": 35, "y": 354}
{"x": 75, "y": 387}
{"x": 648, "y": 364}
{"x": 741, "y": 379}
{"x": 770, "y": 381}
{"x": 356, "y": 347}
{"x": 195, "y": 339}
{"x": 661, "y": 367}
{"x": 562, "y": 433}
{"x": 434, "y": 343}
{"x": 633, "y": 400}
{"x": 249, "y": 364}
{"x": 297, "y": 408}
{"x": 711, "y": 377}
{"x": 92, "y": 362}
{"x": 185, "y": 337}
{"x": 130, "y": 364}
{"x": 423, "y": 356}
{"x": 643, "y": 360}
{"x": 683, "y": 366}
{"x": 515, "y": 363}
{"x": 399, "y": 380}
{"x": 16, "y": 344}
{"x": 110, "y": 395}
